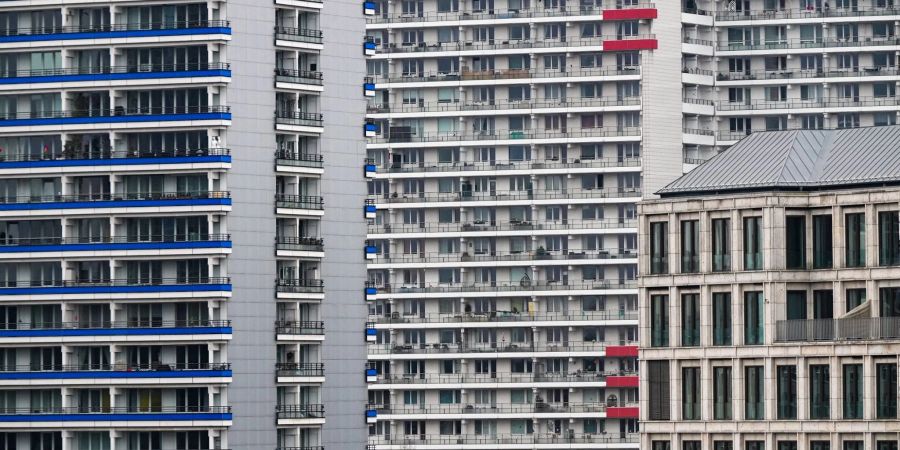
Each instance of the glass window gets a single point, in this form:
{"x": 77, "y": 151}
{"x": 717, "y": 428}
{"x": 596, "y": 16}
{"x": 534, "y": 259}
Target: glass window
{"x": 786, "y": 392}
{"x": 854, "y": 298}
{"x": 690, "y": 393}
{"x": 722, "y": 393}
{"x": 721, "y": 318}
{"x": 755, "y": 445}
{"x": 822, "y": 242}
{"x": 754, "y": 390}
{"x": 855, "y": 239}
{"x": 690, "y": 320}
{"x": 752, "y": 243}
{"x": 886, "y": 391}
{"x": 795, "y": 242}
{"x": 819, "y": 395}
{"x": 659, "y": 320}
{"x": 690, "y": 246}
{"x": 889, "y": 238}
{"x": 659, "y": 248}
{"x": 796, "y": 305}
{"x": 753, "y": 318}
{"x": 659, "y": 394}
{"x": 853, "y": 391}
{"x": 721, "y": 245}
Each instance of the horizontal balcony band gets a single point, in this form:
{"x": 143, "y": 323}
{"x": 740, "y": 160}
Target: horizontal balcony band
{"x": 509, "y": 439}
{"x": 383, "y": 349}
{"x": 291, "y": 158}
{"x": 807, "y": 104}
{"x": 428, "y": 197}
{"x": 6, "y": 410}
{"x": 698, "y": 131}
{"x": 315, "y": 447}
{"x": 501, "y": 256}
{"x": 493, "y": 378}
{"x": 838, "y": 330}
{"x": 303, "y": 244}
{"x": 123, "y": 286}
{"x": 512, "y": 225}
{"x": 497, "y": 408}
{"x": 505, "y": 74}
{"x": 117, "y": 282}
{"x": 306, "y": 35}
{"x": 503, "y": 105}
{"x": 298, "y": 76}
{"x": 300, "y": 286}
{"x": 6, "y": 328}
{"x": 728, "y": 135}
{"x": 476, "y": 46}
{"x": 806, "y": 13}
{"x": 113, "y": 157}
{"x": 100, "y": 73}
{"x": 299, "y": 327}
{"x": 503, "y": 287}
{"x": 119, "y": 114}
{"x": 505, "y": 316}
{"x": 499, "y": 13}
{"x": 299, "y": 201}
{"x": 14, "y": 34}
{"x": 467, "y": 166}
{"x": 135, "y": 200}
{"x": 298, "y": 118}
{"x": 307, "y": 411}
{"x": 799, "y": 44}
{"x": 10, "y": 244}
{"x": 103, "y": 370}
{"x": 496, "y": 135}
{"x": 300, "y": 369}
{"x": 788, "y": 75}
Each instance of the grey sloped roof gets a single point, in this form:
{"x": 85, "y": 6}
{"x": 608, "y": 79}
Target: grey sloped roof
{"x": 798, "y": 159}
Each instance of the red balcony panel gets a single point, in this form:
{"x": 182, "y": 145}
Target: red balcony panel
{"x": 628, "y": 381}
{"x": 630, "y": 44}
{"x": 622, "y": 351}
{"x": 629, "y": 14}
{"x": 622, "y": 412}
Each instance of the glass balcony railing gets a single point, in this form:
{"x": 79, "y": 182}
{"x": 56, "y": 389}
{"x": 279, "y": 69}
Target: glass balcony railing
{"x": 112, "y": 70}
{"x": 300, "y": 369}
{"x": 9, "y": 31}
{"x": 299, "y": 328}
{"x": 302, "y": 411}
{"x": 307, "y": 286}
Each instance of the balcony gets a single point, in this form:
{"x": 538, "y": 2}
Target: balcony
{"x": 492, "y": 348}
{"x": 486, "y": 441}
{"x": 795, "y": 104}
{"x": 109, "y": 31}
{"x": 526, "y": 226}
{"x": 307, "y": 411}
{"x": 130, "y": 72}
{"x": 107, "y": 328}
{"x": 303, "y": 35}
{"x": 499, "y": 257}
{"x": 291, "y": 158}
{"x": 116, "y": 115}
{"x": 495, "y": 196}
{"x": 798, "y": 44}
{"x": 300, "y": 244}
{"x": 499, "y": 13}
{"x": 507, "y": 74}
{"x": 308, "y": 286}
{"x": 523, "y": 286}
{"x": 300, "y": 369}
{"x": 525, "y": 104}
{"x": 838, "y": 330}
{"x": 498, "y": 378}
{"x": 482, "y": 46}
{"x": 299, "y": 328}
{"x": 119, "y": 200}
{"x": 403, "y": 135}
{"x": 297, "y": 118}
{"x": 112, "y": 157}
{"x": 121, "y": 285}
{"x": 298, "y": 77}
{"x": 809, "y": 13}
{"x": 498, "y": 408}
{"x": 124, "y": 413}
{"x": 787, "y": 74}
{"x": 507, "y": 166}
{"x": 299, "y": 202}
{"x": 111, "y": 243}
{"x": 512, "y": 317}
{"x": 87, "y": 371}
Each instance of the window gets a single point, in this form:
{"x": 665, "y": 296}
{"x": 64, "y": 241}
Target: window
{"x": 659, "y": 320}
{"x": 752, "y": 243}
{"x": 660, "y": 445}
{"x": 753, "y": 318}
{"x": 659, "y": 248}
{"x": 787, "y": 445}
{"x": 855, "y": 239}
{"x": 886, "y": 391}
{"x": 690, "y": 445}
{"x": 889, "y": 306}
{"x": 721, "y": 310}
{"x": 754, "y": 391}
{"x": 795, "y": 242}
{"x": 723, "y": 445}
{"x": 721, "y": 251}
{"x": 819, "y": 398}
{"x": 853, "y": 445}
{"x": 796, "y": 305}
{"x": 722, "y": 393}
{"x": 690, "y": 246}
{"x": 886, "y": 445}
{"x": 755, "y": 445}
{"x": 786, "y": 392}
{"x": 822, "y": 242}
{"x": 853, "y": 391}
{"x": 854, "y": 298}
{"x": 690, "y": 393}
{"x": 690, "y": 320}
{"x": 889, "y": 238}
{"x": 658, "y": 380}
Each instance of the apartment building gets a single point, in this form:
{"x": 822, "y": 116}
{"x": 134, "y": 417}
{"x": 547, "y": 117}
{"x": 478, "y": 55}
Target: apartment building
{"x": 165, "y": 244}
{"x": 770, "y": 297}
{"x": 505, "y": 158}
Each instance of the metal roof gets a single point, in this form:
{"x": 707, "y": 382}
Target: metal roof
{"x": 798, "y": 160}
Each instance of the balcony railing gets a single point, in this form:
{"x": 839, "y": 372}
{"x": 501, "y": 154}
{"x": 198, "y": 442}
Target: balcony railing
{"x": 292, "y": 158}
{"x": 788, "y": 74}
{"x": 103, "y": 70}
{"x": 123, "y": 367}
{"x": 525, "y": 285}
{"x": 807, "y": 13}
{"x": 301, "y": 328}
{"x": 496, "y": 408}
{"x": 493, "y": 378}
{"x": 528, "y": 104}
{"x": 298, "y": 76}
{"x": 66, "y": 155}
{"x": 306, "y": 35}
{"x": 119, "y": 324}
{"x": 500, "y": 13}
{"x": 101, "y": 197}
{"x": 308, "y": 411}
{"x": 505, "y": 316}
{"x": 404, "y": 135}
{"x": 148, "y": 281}
{"x": 305, "y": 244}
{"x": 153, "y": 409}
{"x": 860, "y": 102}
{"x": 118, "y": 111}
{"x": 307, "y": 286}
{"x": 470, "y": 166}
{"x": 529, "y": 194}
{"x": 300, "y": 369}
{"x": 501, "y": 257}
{"x": 299, "y": 201}
{"x": 493, "y": 226}
{"x": 485, "y": 440}
{"x": 501, "y": 347}
{"x": 857, "y": 329}
{"x": 298, "y": 118}
{"x": 796, "y": 44}
{"x": 140, "y": 26}
{"x": 36, "y": 241}
{"x": 505, "y": 74}
{"x": 478, "y": 46}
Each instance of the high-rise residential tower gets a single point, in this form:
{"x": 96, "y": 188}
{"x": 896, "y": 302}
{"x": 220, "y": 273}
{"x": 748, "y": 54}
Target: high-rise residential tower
{"x": 181, "y": 225}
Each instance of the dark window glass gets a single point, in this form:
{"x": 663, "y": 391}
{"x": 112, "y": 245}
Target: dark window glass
{"x": 854, "y": 298}
{"x": 886, "y": 445}
{"x": 721, "y": 245}
{"x": 754, "y": 387}
{"x": 721, "y": 318}
{"x": 753, "y": 243}
{"x": 659, "y": 248}
{"x": 822, "y": 242}
{"x": 795, "y": 242}
{"x": 796, "y": 305}
{"x": 853, "y": 445}
{"x": 787, "y": 445}
{"x": 659, "y": 383}
{"x": 886, "y": 391}
{"x": 690, "y": 445}
{"x": 889, "y": 305}
{"x": 819, "y": 397}
{"x": 889, "y": 238}
{"x": 690, "y": 391}
{"x": 723, "y": 445}
{"x": 661, "y": 445}
{"x": 855, "y": 239}
{"x": 819, "y": 445}
{"x": 853, "y": 391}
{"x": 787, "y": 392}
{"x": 754, "y": 319}
{"x": 722, "y": 393}
{"x": 690, "y": 320}
{"x": 659, "y": 320}
{"x": 755, "y": 445}
{"x": 690, "y": 246}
